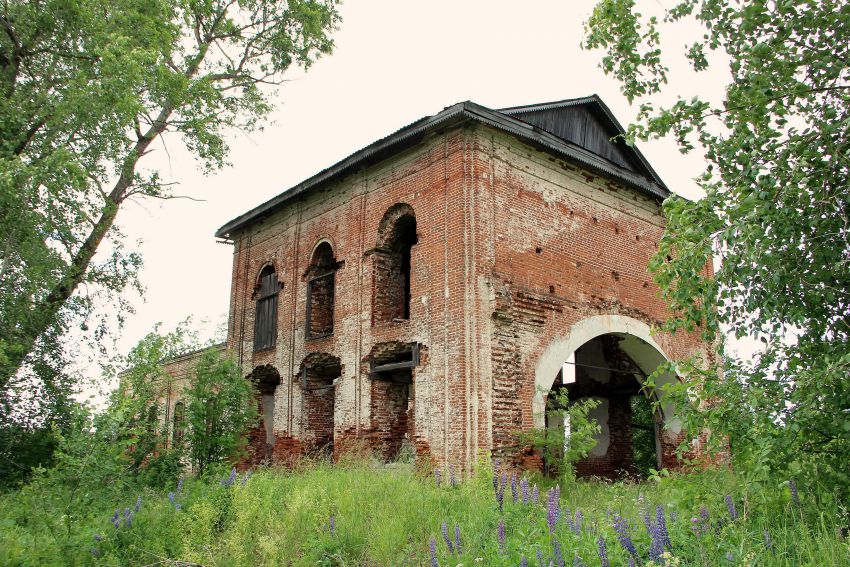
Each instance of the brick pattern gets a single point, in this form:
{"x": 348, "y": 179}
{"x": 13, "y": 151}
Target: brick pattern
{"x": 513, "y": 248}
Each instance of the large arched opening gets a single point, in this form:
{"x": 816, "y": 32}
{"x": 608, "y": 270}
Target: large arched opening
{"x": 608, "y": 359}
{"x": 261, "y": 439}
{"x": 318, "y": 376}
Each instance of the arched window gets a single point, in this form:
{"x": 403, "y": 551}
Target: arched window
{"x": 392, "y": 273}
{"x": 265, "y": 318}
{"x": 321, "y": 277}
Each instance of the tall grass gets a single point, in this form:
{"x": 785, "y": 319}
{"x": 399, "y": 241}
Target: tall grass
{"x": 362, "y": 513}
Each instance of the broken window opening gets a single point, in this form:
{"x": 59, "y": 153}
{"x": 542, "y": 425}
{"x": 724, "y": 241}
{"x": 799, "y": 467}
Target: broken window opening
{"x": 319, "y": 374}
{"x": 391, "y": 367}
{"x": 262, "y": 438}
{"x": 265, "y": 317}
{"x": 392, "y": 272}
{"x": 321, "y": 279}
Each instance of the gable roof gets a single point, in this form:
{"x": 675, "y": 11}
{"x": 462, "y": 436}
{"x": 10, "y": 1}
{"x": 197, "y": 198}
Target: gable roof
{"x": 579, "y": 130}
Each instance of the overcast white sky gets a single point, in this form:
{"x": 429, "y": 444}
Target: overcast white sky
{"x": 395, "y": 61}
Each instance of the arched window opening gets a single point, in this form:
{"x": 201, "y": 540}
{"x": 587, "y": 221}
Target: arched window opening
{"x": 392, "y": 273}
{"x": 179, "y": 423}
{"x": 319, "y": 373}
{"x": 265, "y": 318}
{"x": 261, "y": 438}
{"x": 603, "y": 369}
{"x": 321, "y": 279}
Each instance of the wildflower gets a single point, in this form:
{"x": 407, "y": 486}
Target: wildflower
{"x": 673, "y": 516}
{"x": 98, "y": 537}
{"x": 523, "y": 562}
{"x": 768, "y": 543}
{"x": 622, "y": 529}
{"x": 457, "y": 539}
{"x": 730, "y": 505}
{"x": 603, "y": 552}
{"x": 178, "y": 506}
{"x": 662, "y": 527}
{"x": 332, "y": 525}
{"x": 514, "y": 493}
{"x": 535, "y": 494}
{"x": 245, "y": 478}
{"x": 729, "y": 556}
{"x": 632, "y": 562}
{"x": 577, "y": 562}
{"x": 445, "y": 531}
{"x": 500, "y": 497}
{"x": 539, "y": 557}
{"x": 695, "y": 527}
{"x": 496, "y": 483}
{"x": 228, "y": 482}
{"x": 579, "y": 517}
{"x": 138, "y": 503}
{"x": 432, "y": 546}
{"x": 559, "y": 559}
{"x": 703, "y": 514}
{"x": 568, "y": 519}
{"x": 180, "y": 486}
{"x": 171, "y": 498}
{"x": 500, "y": 534}
{"x": 523, "y": 487}
{"x": 552, "y": 511}
{"x": 437, "y": 477}
{"x": 503, "y": 482}
{"x": 795, "y": 496}
{"x": 94, "y": 551}
{"x": 656, "y": 543}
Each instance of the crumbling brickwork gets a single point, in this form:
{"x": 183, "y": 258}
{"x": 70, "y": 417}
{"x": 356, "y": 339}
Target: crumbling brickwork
{"x": 491, "y": 251}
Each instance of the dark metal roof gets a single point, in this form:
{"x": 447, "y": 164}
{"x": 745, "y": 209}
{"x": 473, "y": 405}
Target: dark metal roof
{"x": 641, "y": 176}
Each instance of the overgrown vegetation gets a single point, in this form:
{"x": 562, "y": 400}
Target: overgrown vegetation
{"x": 362, "y": 513}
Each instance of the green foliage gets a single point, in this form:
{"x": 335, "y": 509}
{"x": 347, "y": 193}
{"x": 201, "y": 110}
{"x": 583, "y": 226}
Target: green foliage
{"x": 559, "y": 447}
{"x": 387, "y": 516}
{"x": 219, "y": 410}
{"x": 87, "y": 87}
{"x": 774, "y": 215}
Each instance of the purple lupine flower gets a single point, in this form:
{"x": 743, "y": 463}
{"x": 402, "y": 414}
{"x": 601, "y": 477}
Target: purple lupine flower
{"x": 138, "y": 503}
{"x": 458, "y": 548}
{"x": 171, "y": 498}
{"x": 795, "y": 495}
{"x": 432, "y": 546}
{"x": 730, "y": 505}
{"x": 703, "y": 514}
{"x": 500, "y": 535}
{"x": 656, "y": 543}
{"x": 228, "y": 482}
{"x": 535, "y": 494}
{"x": 495, "y": 483}
{"x": 178, "y": 506}
{"x": 729, "y": 556}
{"x": 503, "y": 482}
{"x": 127, "y": 512}
{"x": 94, "y": 551}
{"x": 661, "y": 520}
{"x": 552, "y": 511}
{"x": 603, "y": 552}
{"x": 514, "y": 492}
{"x": 622, "y": 529}
{"x": 631, "y": 561}
{"x": 768, "y": 543}
{"x": 444, "y": 529}
{"x": 577, "y": 562}
{"x": 539, "y": 557}
{"x": 500, "y": 497}
{"x": 116, "y": 518}
{"x": 523, "y": 562}
{"x": 179, "y": 486}
{"x": 452, "y": 479}
{"x": 245, "y": 478}
{"x": 523, "y": 487}
{"x": 568, "y": 519}
{"x": 128, "y": 517}
{"x": 673, "y": 516}
{"x": 332, "y": 525}
{"x": 647, "y": 522}
{"x": 579, "y": 517}
{"x": 437, "y": 477}
{"x": 559, "y": 559}
{"x": 98, "y": 537}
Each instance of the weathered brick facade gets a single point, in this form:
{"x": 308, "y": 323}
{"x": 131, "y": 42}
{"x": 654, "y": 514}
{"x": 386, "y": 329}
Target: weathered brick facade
{"x": 484, "y": 254}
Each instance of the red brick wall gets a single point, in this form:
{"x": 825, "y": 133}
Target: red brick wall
{"x": 514, "y": 247}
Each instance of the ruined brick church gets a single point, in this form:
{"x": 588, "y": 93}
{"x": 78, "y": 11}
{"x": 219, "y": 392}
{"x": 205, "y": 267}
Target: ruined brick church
{"x": 430, "y": 291}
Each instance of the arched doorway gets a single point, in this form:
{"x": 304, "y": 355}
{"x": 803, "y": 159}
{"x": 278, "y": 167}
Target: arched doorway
{"x": 608, "y": 359}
